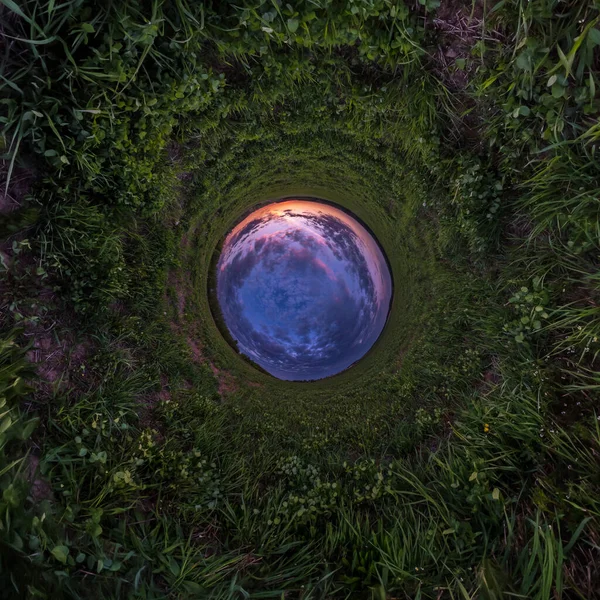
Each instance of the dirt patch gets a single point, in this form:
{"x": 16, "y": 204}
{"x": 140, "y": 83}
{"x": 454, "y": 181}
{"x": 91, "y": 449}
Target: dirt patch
{"x": 40, "y": 488}
{"x": 19, "y": 187}
{"x": 29, "y": 302}
{"x": 518, "y": 229}
{"x": 459, "y": 27}
{"x": 180, "y": 301}
{"x": 227, "y": 383}
{"x": 148, "y": 419}
{"x": 197, "y": 353}
{"x": 182, "y": 328}
{"x": 491, "y": 377}
{"x": 164, "y": 394}
{"x": 58, "y": 358}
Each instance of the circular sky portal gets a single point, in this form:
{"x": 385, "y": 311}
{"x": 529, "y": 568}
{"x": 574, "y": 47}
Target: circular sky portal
{"x": 304, "y": 289}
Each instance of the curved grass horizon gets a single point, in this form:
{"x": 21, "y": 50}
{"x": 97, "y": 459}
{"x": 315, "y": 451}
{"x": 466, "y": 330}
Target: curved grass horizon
{"x": 354, "y": 197}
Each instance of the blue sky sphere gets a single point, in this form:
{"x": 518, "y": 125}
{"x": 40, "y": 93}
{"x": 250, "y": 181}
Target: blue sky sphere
{"x": 304, "y": 289}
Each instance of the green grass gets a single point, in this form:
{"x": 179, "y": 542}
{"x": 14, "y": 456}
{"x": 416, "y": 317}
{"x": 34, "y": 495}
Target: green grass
{"x": 146, "y": 458}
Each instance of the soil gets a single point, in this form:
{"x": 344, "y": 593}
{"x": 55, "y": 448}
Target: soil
{"x": 226, "y": 381}
{"x": 40, "y": 488}
{"x": 19, "y": 188}
{"x": 458, "y": 27}
{"x": 29, "y": 302}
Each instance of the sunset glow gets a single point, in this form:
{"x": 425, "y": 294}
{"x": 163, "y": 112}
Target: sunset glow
{"x": 304, "y": 289}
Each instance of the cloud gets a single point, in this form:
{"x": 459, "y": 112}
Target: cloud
{"x": 297, "y": 292}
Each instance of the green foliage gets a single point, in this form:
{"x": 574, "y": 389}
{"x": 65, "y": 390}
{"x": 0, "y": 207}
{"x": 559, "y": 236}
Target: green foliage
{"x": 459, "y": 458}
{"x": 531, "y": 311}
{"x": 478, "y": 200}
{"x": 16, "y": 522}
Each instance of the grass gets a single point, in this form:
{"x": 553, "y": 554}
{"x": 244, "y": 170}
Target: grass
{"x": 141, "y": 457}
